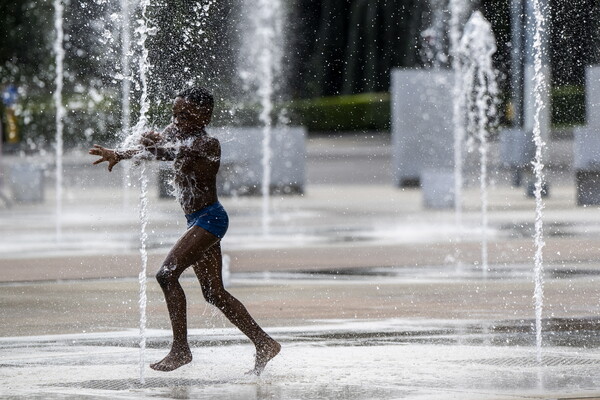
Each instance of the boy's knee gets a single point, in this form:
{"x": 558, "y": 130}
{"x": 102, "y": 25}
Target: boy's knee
{"x": 165, "y": 275}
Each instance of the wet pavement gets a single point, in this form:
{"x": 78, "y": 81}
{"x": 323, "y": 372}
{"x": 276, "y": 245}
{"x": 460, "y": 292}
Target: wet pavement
{"x": 364, "y": 334}
{"x": 384, "y": 359}
{"x": 371, "y": 295}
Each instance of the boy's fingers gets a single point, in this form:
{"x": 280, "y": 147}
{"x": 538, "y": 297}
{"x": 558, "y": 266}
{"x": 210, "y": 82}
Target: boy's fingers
{"x": 98, "y": 161}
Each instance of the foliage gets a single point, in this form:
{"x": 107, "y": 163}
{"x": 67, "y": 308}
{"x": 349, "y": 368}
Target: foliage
{"x": 362, "y": 112}
{"x": 25, "y": 23}
{"x": 334, "y": 47}
{"x": 346, "y": 47}
{"x": 568, "y": 105}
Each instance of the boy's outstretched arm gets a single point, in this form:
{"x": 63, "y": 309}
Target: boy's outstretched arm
{"x": 152, "y": 143}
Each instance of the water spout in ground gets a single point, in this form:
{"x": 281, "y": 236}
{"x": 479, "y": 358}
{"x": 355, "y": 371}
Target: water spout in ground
{"x": 126, "y": 91}
{"x": 458, "y": 11}
{"x": 59, "y": 53}
{"x": 540, "y": 89}
{"x": 480, "y": 92}
{"x": 143, "y": 210}
{"x": 140, "y": 127}
{"x": 261, "y": 57}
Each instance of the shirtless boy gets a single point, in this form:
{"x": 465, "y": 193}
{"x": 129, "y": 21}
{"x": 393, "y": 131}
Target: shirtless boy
{"x": 196, "y": 158}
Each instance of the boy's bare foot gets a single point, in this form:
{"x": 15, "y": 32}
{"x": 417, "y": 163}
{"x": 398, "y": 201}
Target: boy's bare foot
{"x": 265, "y": 354}
{"x": 173, "y": 360}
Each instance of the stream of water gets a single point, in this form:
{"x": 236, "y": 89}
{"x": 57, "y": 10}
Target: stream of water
{"x": 261, "y": 56}
{"x": 480, "y": 92}
{"x": 126, "y": 91}
{"x": 538, "y": 166}
{"x": 59, "y": 53}
{"x": 142, "y": 126}
{"x": 458, "y": 10}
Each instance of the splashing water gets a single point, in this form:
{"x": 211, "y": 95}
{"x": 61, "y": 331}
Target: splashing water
{"x": 480, "y": 93}
{"x": 143, "y": 212}
{"x": 142, "y": 124}
{"x": 433, "y": 38}
{"x": 125, "y": 91}
{"x": 458, "y": 11}
{"x": 261, "y": 56}
{"x": 59, "y": 52}
{"x": 539, "y": 88}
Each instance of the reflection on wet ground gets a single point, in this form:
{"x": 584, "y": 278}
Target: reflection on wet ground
{"x": 446, "y": 273}
{"x": 342, "y": 359}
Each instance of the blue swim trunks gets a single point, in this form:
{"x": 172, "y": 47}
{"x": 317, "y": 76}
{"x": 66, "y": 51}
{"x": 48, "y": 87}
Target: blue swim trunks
{"x": 212, "y": 218}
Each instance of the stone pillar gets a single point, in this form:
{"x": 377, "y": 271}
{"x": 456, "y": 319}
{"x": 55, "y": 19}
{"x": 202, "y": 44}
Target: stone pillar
{"x": 241, "y": 161}
{"x": 586, "y": 144}
{"x": 422, "y": 131}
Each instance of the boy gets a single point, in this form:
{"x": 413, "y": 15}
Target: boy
{"x": 196, "y": 158}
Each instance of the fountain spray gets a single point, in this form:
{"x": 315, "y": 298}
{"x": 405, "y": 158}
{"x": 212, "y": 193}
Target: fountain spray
{"x": 458, "y": 10}
{"x": 540, "y": 89}
{"x": 59, "y": 53}
{"x": 140, "y": 127}
{"x": 262, "y": 56}
{"x": 126, "y": 90}
{"x": 480, "y": 92}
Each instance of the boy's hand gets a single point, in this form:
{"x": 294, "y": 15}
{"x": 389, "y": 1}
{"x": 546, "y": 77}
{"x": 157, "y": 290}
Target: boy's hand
{"x": 107, "y": 155}
{"x": 150, "y": 139}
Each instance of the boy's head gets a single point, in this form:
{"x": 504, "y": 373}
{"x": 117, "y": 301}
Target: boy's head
{"x": 192, "y": 109}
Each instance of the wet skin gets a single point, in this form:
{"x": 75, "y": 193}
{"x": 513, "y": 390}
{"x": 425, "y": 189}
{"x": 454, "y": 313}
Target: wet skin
{"x": 196, "y": 163}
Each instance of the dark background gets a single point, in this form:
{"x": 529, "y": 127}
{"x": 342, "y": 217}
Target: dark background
{"x": 334, "y": 47}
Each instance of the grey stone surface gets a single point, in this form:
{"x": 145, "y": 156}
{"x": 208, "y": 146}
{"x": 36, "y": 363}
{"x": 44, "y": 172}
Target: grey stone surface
{"x": 592, "y": 87}
{"x": 438, "y": 188}
{"x": 26, "y": 181}
{"x": 241, "y": 164}
{"x": 422, "y": 133}
{"x": 516, "y": 148}
{"x": 588, "y": 188}
{"x": 586, "y": 144}
{"x": 586, "y": 149}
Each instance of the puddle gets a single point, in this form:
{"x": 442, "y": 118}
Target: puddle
{"x": 430, "y": 273}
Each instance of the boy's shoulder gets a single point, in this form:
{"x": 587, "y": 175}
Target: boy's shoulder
{"x": 207, "y": 143}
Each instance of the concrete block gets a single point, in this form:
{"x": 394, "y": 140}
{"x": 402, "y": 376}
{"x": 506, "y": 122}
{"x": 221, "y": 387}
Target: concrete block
{"x": 27, "y": 183}
{"x": 517, "y": 148}
{"x": 592, "y": 95}
{"x": 422, "y": 127}
{"x": 586, "y": 162}
{"x": 438, "y": 188}
{"x": 586, "y": 149}
{"x": 241, "y": 170}
{"x": 587, "y": 185}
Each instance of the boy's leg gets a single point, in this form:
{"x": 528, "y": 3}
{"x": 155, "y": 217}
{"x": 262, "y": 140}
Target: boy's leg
{"x": 188, "y": 249}
{"x": 209, "y": 273}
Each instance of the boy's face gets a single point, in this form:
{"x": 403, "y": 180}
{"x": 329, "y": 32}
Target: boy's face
{"x": 189, "y": 117}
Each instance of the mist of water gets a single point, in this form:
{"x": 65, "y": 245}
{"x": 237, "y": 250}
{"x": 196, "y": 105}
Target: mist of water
{"x": 59, "y": 54}
{"x": 480, "y": 93}
{"x": 458, "y": 11}
{"x": 262, "y": 50}
{"x": 434, "y": 37}
{"x": 540, "y": 88}
{"x": 143, "y": 212}
{"x": 126, "y": 91}
{"x": 142, "y": 125}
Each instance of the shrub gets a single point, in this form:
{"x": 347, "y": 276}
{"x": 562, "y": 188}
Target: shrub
{"x": 568, "y": 105}
{"x": 361, "y": 112}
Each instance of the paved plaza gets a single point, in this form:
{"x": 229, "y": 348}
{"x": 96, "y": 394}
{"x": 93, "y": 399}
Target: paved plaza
{"x": 371, "y": 295}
